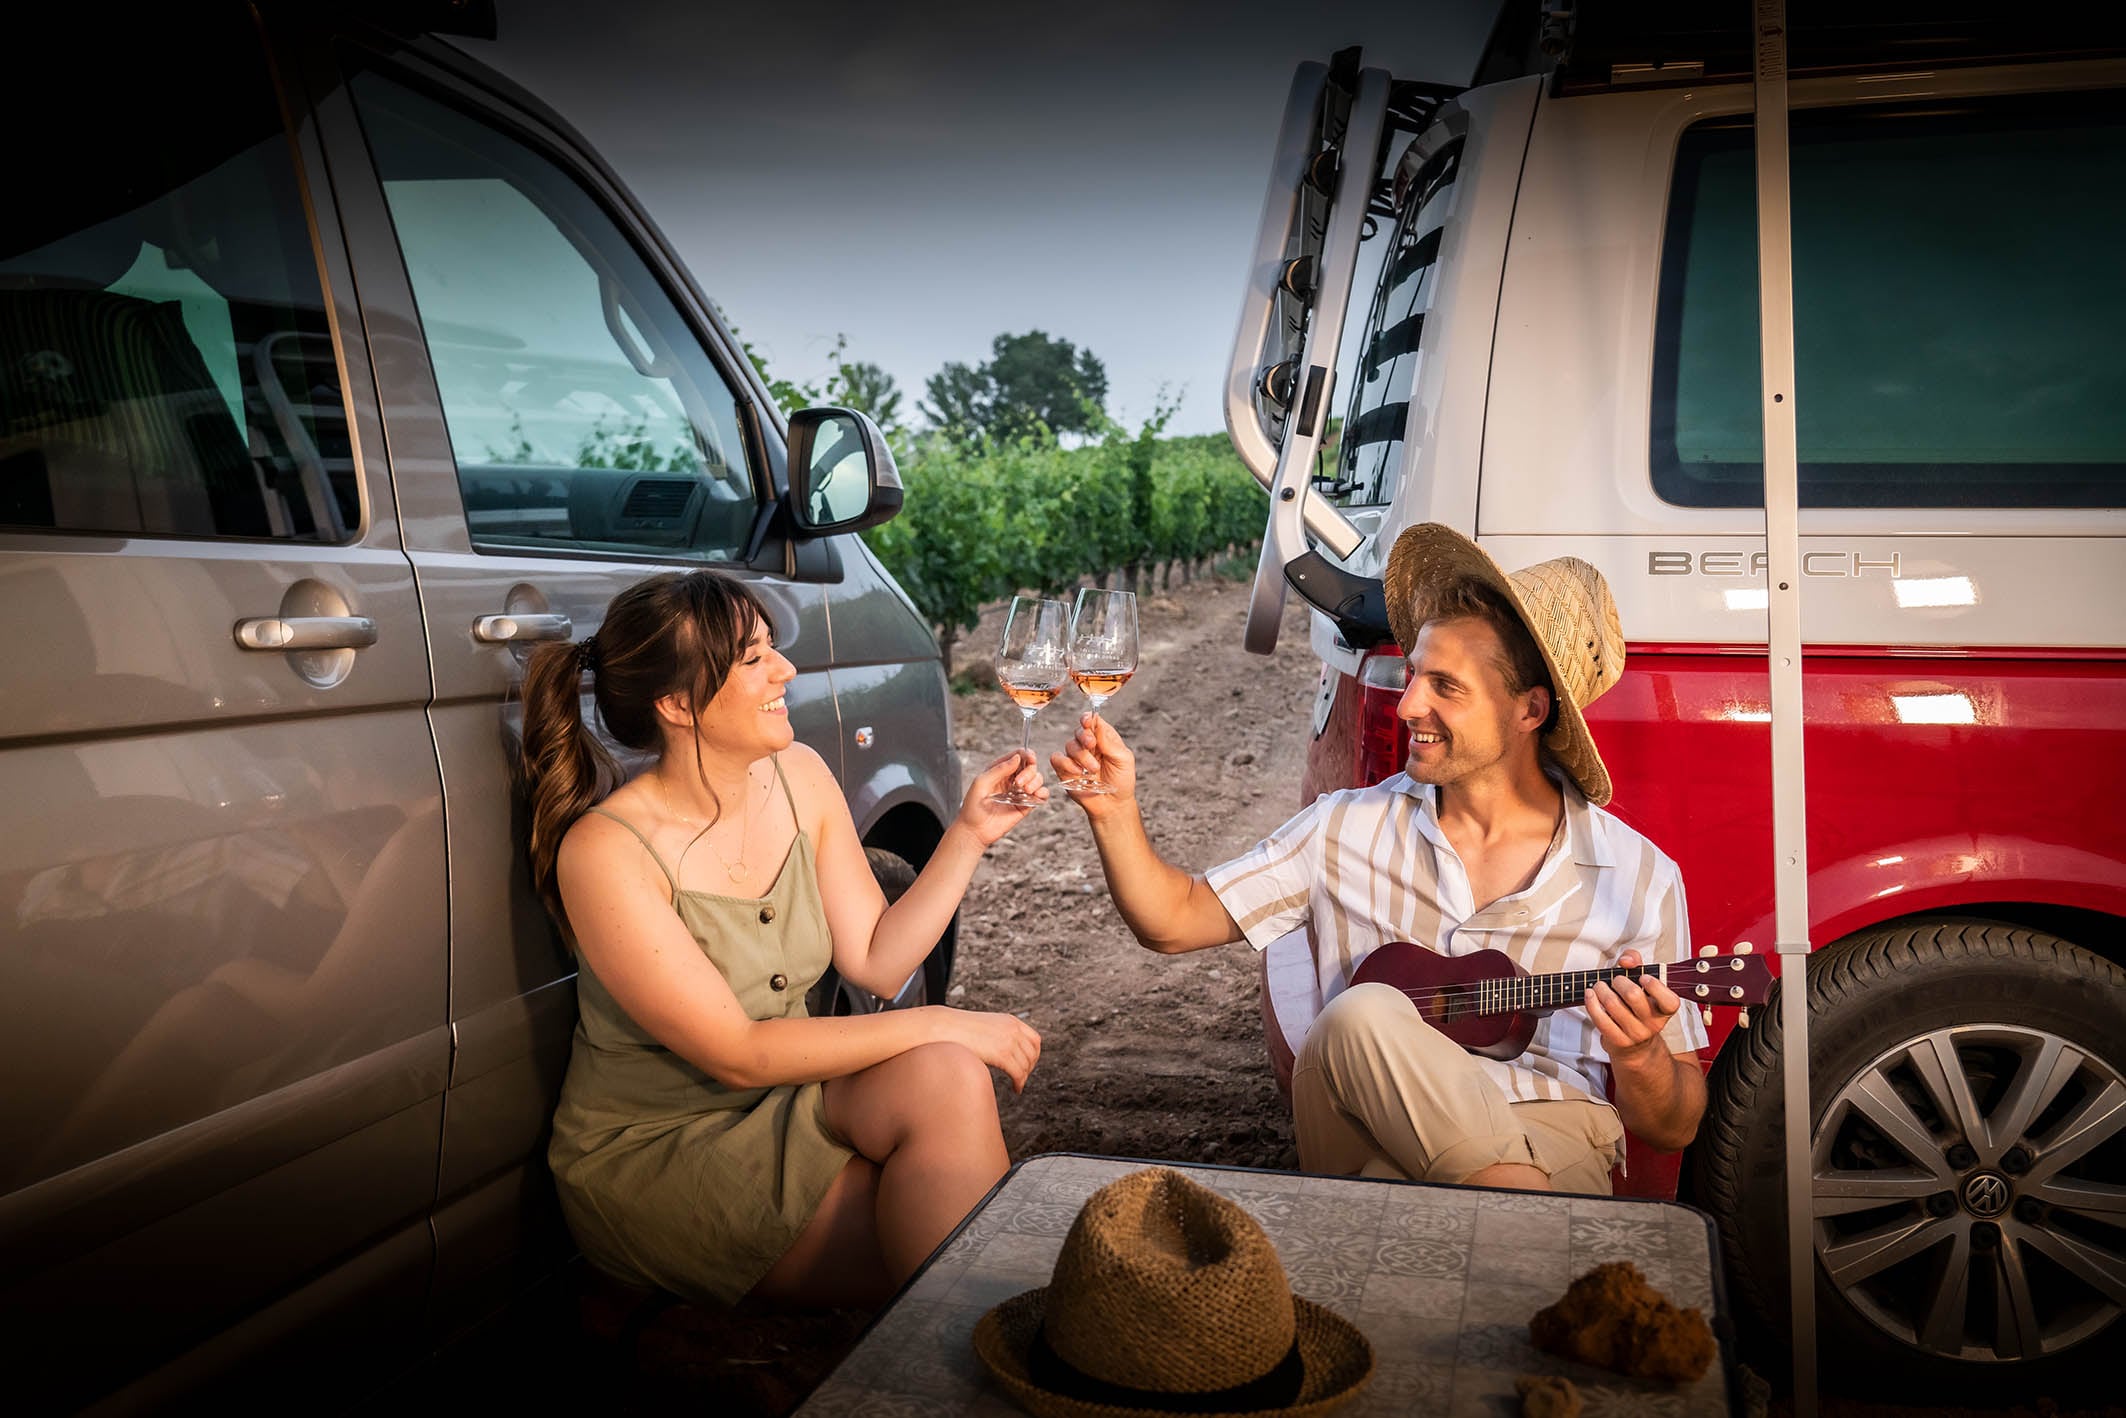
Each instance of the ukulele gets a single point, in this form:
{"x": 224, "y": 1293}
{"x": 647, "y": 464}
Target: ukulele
{"x": 1489, "y": 1005}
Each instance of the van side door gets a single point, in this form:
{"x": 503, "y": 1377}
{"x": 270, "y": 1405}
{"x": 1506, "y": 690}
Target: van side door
{"x": 564, "y": 422}
{"x": 222, "y": 927}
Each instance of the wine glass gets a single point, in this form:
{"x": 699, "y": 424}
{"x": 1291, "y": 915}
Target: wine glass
{"x": 1103, "y": 655}
{"x": 1033, "y": 664}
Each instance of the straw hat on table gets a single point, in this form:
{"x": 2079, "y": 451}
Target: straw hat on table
{"x": 1168, "y": 1298}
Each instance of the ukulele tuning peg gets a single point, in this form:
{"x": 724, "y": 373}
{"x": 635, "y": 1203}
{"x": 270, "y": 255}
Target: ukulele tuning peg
{"x": 1743, "y": 947}
{"x": 1742, "y": 1019}
{"x": 1707, "y": 952}
{"x": 1707, "y": 1011}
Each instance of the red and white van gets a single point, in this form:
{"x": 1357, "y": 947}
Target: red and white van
{"x": 1550, "y": 341}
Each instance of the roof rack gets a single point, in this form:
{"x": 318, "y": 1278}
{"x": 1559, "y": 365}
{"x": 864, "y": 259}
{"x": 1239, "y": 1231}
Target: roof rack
{"x": 1591, "y": 46}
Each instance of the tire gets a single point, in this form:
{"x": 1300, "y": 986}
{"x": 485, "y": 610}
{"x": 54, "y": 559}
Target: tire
{"x": 1914, "y": 1192}
{"x": 834, "y": 995}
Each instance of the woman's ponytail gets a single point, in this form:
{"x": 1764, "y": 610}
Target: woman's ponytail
{"x": 566, "y": 769}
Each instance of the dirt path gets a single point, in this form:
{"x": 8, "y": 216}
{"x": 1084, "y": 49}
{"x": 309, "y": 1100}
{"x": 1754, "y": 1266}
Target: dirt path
{"x": 1142, "y": 1055}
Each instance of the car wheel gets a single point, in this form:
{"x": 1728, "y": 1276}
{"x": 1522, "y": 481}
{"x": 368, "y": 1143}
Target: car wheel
{"x": 834, "y": 995}
{"x": 1969, "y": 1155}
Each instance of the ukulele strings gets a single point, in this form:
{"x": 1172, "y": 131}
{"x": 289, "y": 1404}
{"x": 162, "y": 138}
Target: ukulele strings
{"x": 1454, "y": 994}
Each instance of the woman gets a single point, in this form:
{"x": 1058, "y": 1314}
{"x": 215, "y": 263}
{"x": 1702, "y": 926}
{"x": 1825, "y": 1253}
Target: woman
{"x": 712, "y": 1139}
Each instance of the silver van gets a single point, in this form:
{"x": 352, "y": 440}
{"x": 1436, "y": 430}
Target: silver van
{"x": 335, "y": 373}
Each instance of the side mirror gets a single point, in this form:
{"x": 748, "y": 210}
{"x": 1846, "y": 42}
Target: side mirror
{"x": 842, "y": 476}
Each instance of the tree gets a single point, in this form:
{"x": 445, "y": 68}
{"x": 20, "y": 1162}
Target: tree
{"x": 962, "y": 401}
{"x": 1040, "y": 381}
{"x": 865, "y": 387}
{"x": 1032, "y": 385}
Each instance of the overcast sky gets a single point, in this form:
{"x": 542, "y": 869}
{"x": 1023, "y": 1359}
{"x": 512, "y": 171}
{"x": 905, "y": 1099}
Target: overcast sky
{"x": 922, "y": 178}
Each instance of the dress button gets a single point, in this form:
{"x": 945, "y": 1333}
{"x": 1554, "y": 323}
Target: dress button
{"x": 778, "y": 982}
{"x": 767, "y": 914}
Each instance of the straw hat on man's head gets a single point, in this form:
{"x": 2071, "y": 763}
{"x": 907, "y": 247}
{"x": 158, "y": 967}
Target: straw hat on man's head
{"x": 1567, "y": 608}
{"x": 1168, "y": 1298}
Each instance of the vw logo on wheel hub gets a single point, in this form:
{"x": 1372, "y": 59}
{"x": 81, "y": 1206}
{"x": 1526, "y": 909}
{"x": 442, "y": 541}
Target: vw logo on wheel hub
{"x": 1986, "y": 1194}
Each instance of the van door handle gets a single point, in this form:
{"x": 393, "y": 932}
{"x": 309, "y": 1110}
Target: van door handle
{"x": 306, "y": 632}
{"x": 520, "y": 629}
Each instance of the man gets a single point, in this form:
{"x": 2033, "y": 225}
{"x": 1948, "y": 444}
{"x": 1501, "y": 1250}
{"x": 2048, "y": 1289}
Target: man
{"x": 1494, "y": 838}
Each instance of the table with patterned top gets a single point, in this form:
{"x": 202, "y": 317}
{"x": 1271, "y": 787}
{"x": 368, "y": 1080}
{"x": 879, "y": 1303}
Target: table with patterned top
{"x": 1442, "y": 1280}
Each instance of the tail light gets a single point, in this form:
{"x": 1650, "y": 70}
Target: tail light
{"x": 1383, "y": 739}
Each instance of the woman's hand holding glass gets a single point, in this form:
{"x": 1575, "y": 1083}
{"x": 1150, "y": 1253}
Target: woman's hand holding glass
{"x": 1001, "y": 796}
{"x": 1033, "y": 665}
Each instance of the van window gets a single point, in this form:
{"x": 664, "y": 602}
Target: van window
{"x": 166, "y": 367}
{"x": 1385, "y": 366}
{"x": 1958, "y": 297}
{"x": 583, "y": 412}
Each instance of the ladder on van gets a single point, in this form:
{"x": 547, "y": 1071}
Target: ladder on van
{"x": 1327, "y": 194}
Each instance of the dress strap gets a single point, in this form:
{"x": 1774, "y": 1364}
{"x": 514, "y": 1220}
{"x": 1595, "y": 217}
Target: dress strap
{"x": 671, "y": 880}
{"x": 788, "y": 796}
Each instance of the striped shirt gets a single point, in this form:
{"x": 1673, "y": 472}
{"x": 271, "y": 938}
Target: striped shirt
{"x": 1366, "y": 866}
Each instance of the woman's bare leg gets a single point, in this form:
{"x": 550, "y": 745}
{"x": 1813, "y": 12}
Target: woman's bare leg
{"x": 835, "y": 1260}
{"x": 929, "y": 1119}
{"x": 926, "y": 1125}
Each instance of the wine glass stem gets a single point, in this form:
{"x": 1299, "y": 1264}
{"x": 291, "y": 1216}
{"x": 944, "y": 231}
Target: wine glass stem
{"x": 1026, "y": 731}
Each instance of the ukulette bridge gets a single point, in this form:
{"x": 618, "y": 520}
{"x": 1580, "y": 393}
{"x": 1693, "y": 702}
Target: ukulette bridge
{"x": 1488, "y": 1005}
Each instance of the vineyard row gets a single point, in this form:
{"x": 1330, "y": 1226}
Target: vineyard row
{"x": 979, "y": 524}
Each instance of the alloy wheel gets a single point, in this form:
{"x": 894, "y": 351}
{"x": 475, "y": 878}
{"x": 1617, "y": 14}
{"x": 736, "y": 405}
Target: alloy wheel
{"x": 1970, "y": 1193}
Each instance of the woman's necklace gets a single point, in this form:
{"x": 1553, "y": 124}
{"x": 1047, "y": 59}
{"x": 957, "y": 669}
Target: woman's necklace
{"x": 735, "y": 870}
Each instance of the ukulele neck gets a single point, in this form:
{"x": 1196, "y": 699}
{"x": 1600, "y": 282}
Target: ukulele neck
{"x": 1537, "y": 993}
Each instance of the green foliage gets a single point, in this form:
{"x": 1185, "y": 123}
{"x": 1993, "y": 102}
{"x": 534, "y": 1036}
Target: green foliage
{"x": 789, "y": 396}
{"x": 994, "y": 504}
{"x": 1032, "y": 385}
{"x": 520, "y": 450}
{"x": 1140, "y": 456}
{"x": 946, "y": 547}
{"x": 854, "y": 384}
{"x": 983, "y": 520}
{"x": 630, "y": 447}
{"x": 960, "y": 401}
{"x": 1043, "y": 382}
{"x": 865, "y": 387}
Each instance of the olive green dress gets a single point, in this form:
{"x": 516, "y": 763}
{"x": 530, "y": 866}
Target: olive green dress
{"x": 667, "y": 1177}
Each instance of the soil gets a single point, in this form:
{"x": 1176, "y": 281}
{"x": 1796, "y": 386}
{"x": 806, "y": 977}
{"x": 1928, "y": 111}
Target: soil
{"x": 1142, "y": 1055}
